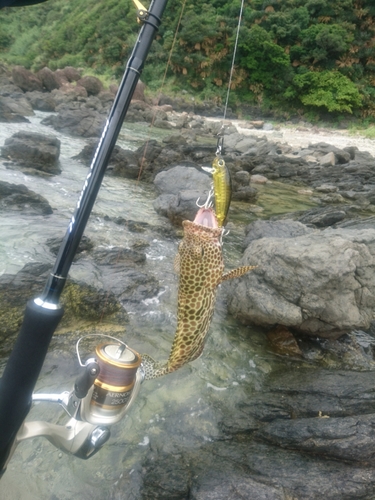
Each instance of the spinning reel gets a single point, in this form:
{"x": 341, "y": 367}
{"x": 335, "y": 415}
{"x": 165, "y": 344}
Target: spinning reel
{"x": 102, "y": 393}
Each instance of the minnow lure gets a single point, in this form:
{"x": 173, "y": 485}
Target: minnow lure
{"x": 222, "y": 189}
{"x": 200, "y": 265}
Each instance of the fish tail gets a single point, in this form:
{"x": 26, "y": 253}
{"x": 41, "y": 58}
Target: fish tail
{"x": 153, "y": 369}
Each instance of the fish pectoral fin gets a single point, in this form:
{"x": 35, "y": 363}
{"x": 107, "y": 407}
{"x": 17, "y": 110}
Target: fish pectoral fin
{"x": 236, "y": 273}
{"x": 177, "y": 264}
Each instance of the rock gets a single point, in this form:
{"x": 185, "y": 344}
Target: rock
{"x": 245, "y": 144}
{"x": 33, "y": 150}
{"x": 321, "y": 284}
{"x": 165, "y": 477}
{"x": 162, "y": 124}
{"x": 324, "y": 216}
{"x": 71, "y": 74}
{"x": 283, "y": 342}
{"x": 81, "y": 122}
{"x": 139, "y": 92}
{"x": 245, "y": 193}
{"x": 122, "y": 163}
{"x": 92, "y": 84}
{"x": 258, "y": 179}
{"x": 181, "y": 206}
{"x": 327, "y": 160}
{"x": 17, "y": 197}
{"x": 83, "y": 304}
{"x": 350, "y": 438}
{"x": 25, "y": 79}
{"x": 118, "y": 255}
{"x": 257, "y": 124}
{"x": 180, "y": 178}
{"x": 274, "y": 229}
{"x": 85, "y": 245}
{"x": 41, "y": 101}
{"x": 242, "y": 177}
{"x": 49, "y": 79}
{"x": 14, "y": 109}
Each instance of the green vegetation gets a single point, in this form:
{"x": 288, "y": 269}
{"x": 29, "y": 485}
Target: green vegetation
{"x": 295, "y": 56}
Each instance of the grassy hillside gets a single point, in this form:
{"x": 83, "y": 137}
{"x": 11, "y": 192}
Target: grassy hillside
{"x": 309, "y": 56}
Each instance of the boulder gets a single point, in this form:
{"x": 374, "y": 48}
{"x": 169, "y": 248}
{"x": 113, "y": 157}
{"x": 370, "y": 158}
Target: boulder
{"x": 15, "y": 109}
{"x": 41, "y": 101}
{"x": 71, "y": 74}
{"x": 181, "y": 178}
{"x": 33, "y": 150}
{"x": 274, "y": 229}
{"x": 320, "y": 284}
{"x": 139, "y": 92}
{"x": 17, "y": 197}
{"x": 25, "y": 79}
{"x": 92, "y": 84}
{"x": 123, "y": 163}
{"x": 49, "y": 79}
{"x": 80, "y": 122}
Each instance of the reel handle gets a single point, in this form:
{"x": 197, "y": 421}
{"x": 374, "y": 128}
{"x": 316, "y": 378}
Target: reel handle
{"x": 86, "y": 379}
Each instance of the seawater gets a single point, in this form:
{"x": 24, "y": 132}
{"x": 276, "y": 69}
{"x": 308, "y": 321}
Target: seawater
{"x": 172, "y": 414}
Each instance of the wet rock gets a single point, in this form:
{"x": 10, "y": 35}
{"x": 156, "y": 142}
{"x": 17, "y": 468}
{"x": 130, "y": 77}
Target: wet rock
{"x": 80, "y": 122}
{"x": 269, "y": 473}
{"x": 92, "y": 84}
{"x": 165, "y": 477}
{"x": 122, "y": 163}
{"x": 14, "y": 110}
{"x": 84, "y": 305}
{"x": 41, "y": 101}
{"x": 283, "y": 342}
{"x": 274, "y": 229}
{"x": 117, "y": 255}
{"x": 324, "y": 216}
{"x": 349, "y": 438}
{"x": 85, "y": 245}
{"x": 32, "y": 150}
{"x": 25, "y": 79}
{"x": 245, "y": 193}
{"x": 17, "y": 197}
{"x": 321, "y": 283}
{"x": 180, "y": 207}
{"x": 139, "y": 92}
{"x": 181, "y": 178}
{"x": 178, "y": 186}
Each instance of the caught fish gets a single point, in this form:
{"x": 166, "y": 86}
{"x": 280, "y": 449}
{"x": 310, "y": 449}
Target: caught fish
{"x": 200, "y": 265}
{"x": 222, "y": 189}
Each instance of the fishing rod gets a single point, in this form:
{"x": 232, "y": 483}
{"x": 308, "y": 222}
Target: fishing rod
{"x": 84, "y": 434}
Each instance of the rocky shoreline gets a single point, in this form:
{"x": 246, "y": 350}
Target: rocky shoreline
{"x": 308, "y": 431}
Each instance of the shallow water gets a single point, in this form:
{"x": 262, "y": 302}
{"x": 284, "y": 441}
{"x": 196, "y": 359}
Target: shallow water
{"x": 179, "y": 412}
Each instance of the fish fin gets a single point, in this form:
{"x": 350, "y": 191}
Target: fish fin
{"x": 177, "y": 262}
{"x": 236, "y": 273}
{"x": 153, "y": 369}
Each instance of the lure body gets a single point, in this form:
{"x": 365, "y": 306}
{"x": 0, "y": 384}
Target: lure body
{"x": 200, "y": 265}
{"x": 222, "y": 189}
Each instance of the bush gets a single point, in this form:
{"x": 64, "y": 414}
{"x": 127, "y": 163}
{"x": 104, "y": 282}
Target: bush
{"x": 325, "y": 89}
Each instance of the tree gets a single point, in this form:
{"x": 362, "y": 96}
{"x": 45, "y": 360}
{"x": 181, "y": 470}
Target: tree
{"x": 325, "y": 89}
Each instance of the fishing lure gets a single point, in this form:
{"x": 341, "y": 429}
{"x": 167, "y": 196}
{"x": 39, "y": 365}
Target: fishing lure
{"x": 222, "y": 189}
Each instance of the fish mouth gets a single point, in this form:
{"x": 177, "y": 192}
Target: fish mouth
{"x": 206, "y": 217}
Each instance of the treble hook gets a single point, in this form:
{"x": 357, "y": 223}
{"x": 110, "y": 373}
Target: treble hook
{"x": 208, "y": 203}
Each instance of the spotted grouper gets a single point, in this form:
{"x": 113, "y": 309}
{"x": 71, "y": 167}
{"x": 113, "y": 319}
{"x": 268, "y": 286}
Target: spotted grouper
{"x": 200, "y": 266}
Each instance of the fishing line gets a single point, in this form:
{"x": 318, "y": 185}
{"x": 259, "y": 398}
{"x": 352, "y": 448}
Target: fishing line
{"x": 233, "y": 59}
{"x": 162, "y": 85}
